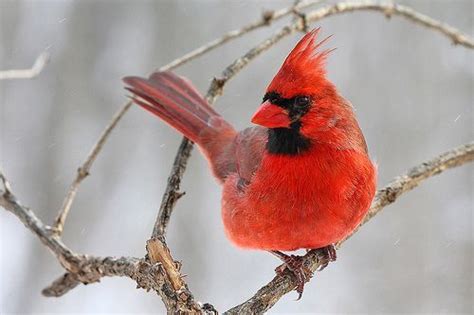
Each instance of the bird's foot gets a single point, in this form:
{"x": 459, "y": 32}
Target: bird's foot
{"x": 329, "y": 255}
{"x": 295, "y": 264}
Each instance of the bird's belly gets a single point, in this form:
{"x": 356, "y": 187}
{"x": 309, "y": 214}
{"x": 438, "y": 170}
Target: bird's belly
{"x": 288, "y": 212}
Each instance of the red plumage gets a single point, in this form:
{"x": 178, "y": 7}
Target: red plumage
{"x": 303, "y": 179}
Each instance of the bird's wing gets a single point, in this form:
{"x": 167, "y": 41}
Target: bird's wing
{"x": 249, "y": 149}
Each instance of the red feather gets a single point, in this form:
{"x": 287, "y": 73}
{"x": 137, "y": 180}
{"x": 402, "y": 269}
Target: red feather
{"x": 307, "y": 198}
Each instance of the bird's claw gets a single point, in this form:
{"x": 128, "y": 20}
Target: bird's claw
{"x": 295, "y": 264}
{"x": 329, "y": 255}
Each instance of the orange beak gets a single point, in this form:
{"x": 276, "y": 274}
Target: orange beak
{"x": 271, "y": 116}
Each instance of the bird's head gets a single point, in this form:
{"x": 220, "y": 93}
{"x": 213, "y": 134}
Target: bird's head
{"x": 300, "y": 102}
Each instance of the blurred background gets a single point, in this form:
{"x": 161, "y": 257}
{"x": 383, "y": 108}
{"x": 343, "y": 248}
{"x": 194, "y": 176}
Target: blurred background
{"x": 413, "y": 91}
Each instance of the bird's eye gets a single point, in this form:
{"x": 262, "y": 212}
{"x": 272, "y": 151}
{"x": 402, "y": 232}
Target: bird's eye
{"x": 302, "y": 101}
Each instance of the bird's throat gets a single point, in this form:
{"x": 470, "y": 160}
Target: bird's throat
{"x": 287, "y": 141}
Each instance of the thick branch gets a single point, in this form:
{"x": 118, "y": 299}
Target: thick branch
{"x": 94, "y": 268}
{"x": 89, "y": 269}
{"x": 267, "y": 296}
{"x": 38, "y": 66}
{"x": 148, "y": 276}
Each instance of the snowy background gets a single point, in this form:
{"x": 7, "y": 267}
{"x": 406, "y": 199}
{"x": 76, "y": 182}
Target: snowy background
{"x": 413, "y": 91}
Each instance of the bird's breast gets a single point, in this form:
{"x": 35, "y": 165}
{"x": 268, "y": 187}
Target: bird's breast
{"x": 300, "y": 201}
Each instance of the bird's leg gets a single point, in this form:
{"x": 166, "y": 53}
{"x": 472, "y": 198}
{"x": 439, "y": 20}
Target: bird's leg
{"x": 302, "y": 273}
{"x": 329, "y": 255}
{"x": 294, "y": 264}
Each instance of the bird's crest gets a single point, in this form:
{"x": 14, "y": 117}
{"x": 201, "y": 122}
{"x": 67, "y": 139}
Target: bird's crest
{"x": 303, "y": 69}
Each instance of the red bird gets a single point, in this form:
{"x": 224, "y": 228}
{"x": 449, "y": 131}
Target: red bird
{"x": 302, "y": 179}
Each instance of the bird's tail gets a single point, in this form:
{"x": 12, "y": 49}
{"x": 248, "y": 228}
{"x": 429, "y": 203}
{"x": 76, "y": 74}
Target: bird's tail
{"x": 175, "y": 100}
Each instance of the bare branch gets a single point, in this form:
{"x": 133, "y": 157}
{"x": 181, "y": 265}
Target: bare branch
{"x": 38, "y": 66}
{"x": 267, "y": 296}
{"x": 172, "y": 194}
{"x": 8, "y": 201}
{"x": 266, "y": 20}
{"x": 345, "y": 6}
{"x": 89, "y": 269}
{"x": 148, "y": 276}
{"x": 401, "y": 184}
{"x": 159, "y": 253}
{"x": 93, "y": 268}
{"x": 389, "y": 9}
{"x": 83, "y": 170}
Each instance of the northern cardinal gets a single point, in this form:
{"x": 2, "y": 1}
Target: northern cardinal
{"x": 302, "y": 179}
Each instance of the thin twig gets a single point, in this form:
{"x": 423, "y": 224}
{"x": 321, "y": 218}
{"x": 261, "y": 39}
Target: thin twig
{"x": 38, "y": 66}
{"x": 389, "y": 10}
{"x": 266, "y": 20}
{"x": 83, "y": 171}
{"x": 267, "y": 296}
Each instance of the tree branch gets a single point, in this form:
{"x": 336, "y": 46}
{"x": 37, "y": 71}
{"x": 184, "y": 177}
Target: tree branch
{"x": 267, "y": 296}
{"x": 8, "y": 201}
{"x": 38, "y": 66}
{"x": 83, "y": 170}
{"x": 266, "y": 20}
{"x": 389, "y": 9}
{"x": 89, "y": 269}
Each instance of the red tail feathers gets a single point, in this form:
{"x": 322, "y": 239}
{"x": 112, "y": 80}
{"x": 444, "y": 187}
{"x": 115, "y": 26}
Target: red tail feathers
{"x": 175, "y": 100}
